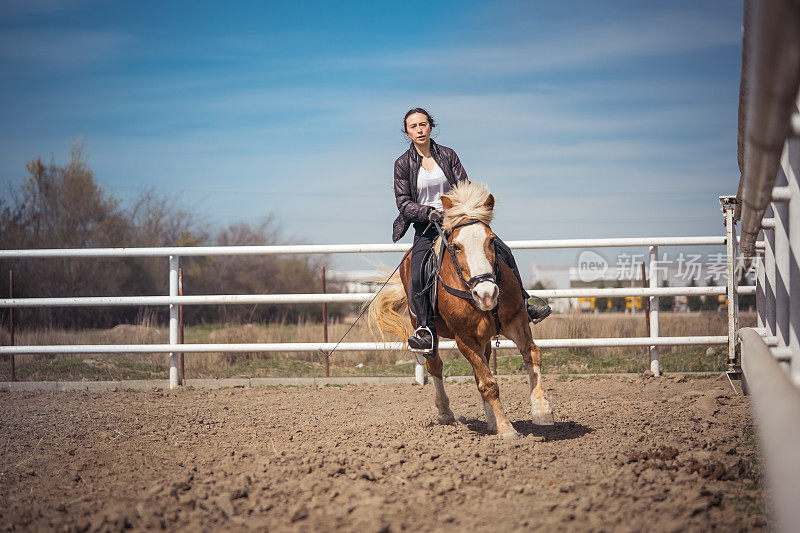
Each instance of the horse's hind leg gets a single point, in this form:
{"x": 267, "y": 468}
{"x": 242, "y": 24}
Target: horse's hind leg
{"x": 442, "y": 401}
{"x": 487, "y": 386}
{"x": 520, "y": 332}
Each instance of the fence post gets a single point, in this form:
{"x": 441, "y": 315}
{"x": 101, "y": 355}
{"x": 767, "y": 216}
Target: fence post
{"x": 325, "y": 327}
{"x": 780, "y": 209}
{"x": 761, "y": 300}
{"x": 11, "y": 324}
{"x": 419, "y": 373}
{"x": 173, "y": 321}
{"x": 731, "y": 246}
{"x": 645, "y": 303}
{"x": 654, "y": 310}
{"x": 181, "y": 376}
{"x": 769, "y": 272}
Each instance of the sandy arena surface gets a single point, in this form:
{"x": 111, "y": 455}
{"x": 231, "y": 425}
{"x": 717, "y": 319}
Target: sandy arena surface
{"x": 626, "y": 454}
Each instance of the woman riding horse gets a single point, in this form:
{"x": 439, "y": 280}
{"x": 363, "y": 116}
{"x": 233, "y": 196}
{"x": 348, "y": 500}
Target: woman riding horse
{"x": 424, "y": 173}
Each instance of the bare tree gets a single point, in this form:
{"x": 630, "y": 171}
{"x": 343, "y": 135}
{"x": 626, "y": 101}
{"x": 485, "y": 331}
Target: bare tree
{"x": 65, "y": 207}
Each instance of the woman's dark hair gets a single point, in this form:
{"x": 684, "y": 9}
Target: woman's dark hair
{"x": 418, "y": 110}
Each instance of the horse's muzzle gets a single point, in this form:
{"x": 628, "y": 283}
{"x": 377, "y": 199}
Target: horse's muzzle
{"x": 485, "y": 294}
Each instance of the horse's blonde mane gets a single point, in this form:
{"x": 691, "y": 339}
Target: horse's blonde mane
{"x": 468, "y": 200}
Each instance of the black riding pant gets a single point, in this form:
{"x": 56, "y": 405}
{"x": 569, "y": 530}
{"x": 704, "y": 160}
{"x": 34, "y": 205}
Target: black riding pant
{"x": 422, "y": 304}
{"x": 423, "y": 240}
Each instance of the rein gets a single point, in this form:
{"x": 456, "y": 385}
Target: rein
{"x": 364, "y": 308}
{"x": 492, "y": 276}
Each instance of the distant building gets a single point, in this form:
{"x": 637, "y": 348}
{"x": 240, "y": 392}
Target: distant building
{"x": 678, "y": 273}
{"x": 558, "y": 277}
{"x": 554, "y": 277}
{"x": 355, "y": 280}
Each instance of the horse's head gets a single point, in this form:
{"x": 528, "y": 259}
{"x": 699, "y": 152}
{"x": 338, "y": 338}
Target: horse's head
{"x": 472, "y": 242}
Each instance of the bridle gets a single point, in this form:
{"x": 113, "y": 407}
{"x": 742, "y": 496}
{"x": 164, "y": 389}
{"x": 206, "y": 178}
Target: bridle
{"x": 474, "y": 280}
{"x": 493, "y": 276}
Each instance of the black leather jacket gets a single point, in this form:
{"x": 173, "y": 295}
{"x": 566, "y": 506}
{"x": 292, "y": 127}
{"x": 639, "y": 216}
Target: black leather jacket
{"x": 406, "y": 169}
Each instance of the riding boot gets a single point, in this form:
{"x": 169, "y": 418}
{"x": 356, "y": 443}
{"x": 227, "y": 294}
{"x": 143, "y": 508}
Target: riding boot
{"x": 424, "y": 338}
{"x": 536, "y": 313}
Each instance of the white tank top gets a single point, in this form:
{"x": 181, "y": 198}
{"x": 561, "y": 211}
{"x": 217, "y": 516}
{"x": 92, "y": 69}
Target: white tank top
{"x": 431, "y": 186}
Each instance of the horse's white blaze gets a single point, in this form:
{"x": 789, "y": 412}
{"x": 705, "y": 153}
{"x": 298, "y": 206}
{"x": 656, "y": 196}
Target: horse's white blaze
{"x": 472, "y": 239}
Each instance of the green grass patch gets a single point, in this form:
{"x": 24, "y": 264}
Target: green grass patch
{"x": 94, "y": 368}
{"x": 216, "y": 365}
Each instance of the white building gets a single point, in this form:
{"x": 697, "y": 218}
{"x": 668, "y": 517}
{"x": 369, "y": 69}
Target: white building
{"x": 355, "y": 280}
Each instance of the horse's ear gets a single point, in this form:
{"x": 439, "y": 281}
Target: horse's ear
{"x": 447, "y": 203}
{"x": 489, "y": 203}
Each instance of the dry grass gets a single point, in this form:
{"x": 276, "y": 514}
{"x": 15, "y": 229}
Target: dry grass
{"x": 579, "y": 325}
{"x": 583, "y": 326}
{"x": 276, "y": 333}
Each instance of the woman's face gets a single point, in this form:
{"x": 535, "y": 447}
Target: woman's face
{"x": 418, "y": 128}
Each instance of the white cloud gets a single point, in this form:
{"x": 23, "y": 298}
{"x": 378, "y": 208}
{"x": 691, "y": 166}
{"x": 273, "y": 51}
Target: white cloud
{"x": 654, "y": 35}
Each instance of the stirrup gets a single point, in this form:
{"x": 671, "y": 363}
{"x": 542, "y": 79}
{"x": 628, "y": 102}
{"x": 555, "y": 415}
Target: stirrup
{"x": 426, "y": 352}
{"x": 542, "y": 312}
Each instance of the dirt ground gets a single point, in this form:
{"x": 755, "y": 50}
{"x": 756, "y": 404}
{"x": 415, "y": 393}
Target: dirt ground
{"x": 626, "y": 454}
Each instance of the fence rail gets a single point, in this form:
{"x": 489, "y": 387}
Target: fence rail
{"x": 348, "y": 346}
{"x": 251, "y": 299}
{"x": 193, "y": 251}
{"x": 174, "y": 300}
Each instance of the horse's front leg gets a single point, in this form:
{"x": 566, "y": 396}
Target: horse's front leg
{"x": 491, "y": 422}
{"x": 487, "y": 385}
{"x": 520, "y": 332}
{"x": 442, "y": 401}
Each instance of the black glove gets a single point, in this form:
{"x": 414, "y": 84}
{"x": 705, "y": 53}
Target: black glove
{"x": 435, "y": 216}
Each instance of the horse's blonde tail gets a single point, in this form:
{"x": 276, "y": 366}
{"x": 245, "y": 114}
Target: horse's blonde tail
{"x": 387, "y": 310}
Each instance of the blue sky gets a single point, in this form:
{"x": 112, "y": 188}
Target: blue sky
{"x": 585, "y": 119}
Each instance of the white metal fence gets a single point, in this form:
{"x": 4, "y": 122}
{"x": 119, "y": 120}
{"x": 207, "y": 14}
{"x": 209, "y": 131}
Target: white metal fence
{"x": 173, "y": 300}
{"x": 769, "y": 203}
{"x": 778, "y": 272}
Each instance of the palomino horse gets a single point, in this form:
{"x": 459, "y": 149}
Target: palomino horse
{"x": 468, "y": 211}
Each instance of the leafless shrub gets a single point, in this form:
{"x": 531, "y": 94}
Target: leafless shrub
{"x": 65, "y": 207}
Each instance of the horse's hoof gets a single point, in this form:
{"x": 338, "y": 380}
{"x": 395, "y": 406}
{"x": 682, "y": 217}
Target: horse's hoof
{"x": 508, "y": 435}
{"x": 447, "y": 419}
{"x": 542, "y": 414}
{"x": 543, "y": 419}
